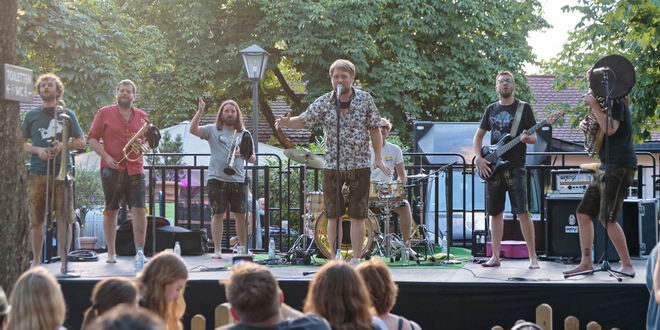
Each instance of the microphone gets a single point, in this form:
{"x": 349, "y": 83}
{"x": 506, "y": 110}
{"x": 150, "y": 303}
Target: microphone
{"x": 600, "y": 71}
{"x": 338, "y": 90}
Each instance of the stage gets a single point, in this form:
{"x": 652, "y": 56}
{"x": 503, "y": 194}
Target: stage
{"x": 456, "y": 297}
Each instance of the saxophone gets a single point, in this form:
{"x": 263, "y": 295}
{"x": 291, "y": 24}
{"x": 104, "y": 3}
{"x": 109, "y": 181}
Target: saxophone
{"x": 593, "y": 136}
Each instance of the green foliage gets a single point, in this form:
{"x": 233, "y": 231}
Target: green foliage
{"x": 421, "y": 59}
{"x": 168, "y": 145}
{"x": 89, "y": 191}
{"x": 626, "y": 27}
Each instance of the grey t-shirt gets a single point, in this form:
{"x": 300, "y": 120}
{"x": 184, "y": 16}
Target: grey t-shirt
{"x": 220, "y": 141}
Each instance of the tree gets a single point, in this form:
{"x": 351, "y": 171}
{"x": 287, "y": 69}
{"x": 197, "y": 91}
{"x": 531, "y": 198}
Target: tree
{"x": 13, "y": 208}
{"x": 627, "y": 27}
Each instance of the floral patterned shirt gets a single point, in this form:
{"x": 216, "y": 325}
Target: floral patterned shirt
{"x": 355, "y": 123}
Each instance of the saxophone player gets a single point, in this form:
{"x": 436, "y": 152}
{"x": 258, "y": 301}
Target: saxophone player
{"x": 122, "y": 178}
{"x": 620, "y": 163}
{"x": 231, "y": 144}
{"x": 41, "y": 128}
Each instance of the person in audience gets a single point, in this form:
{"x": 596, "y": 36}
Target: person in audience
{"x": 36, "y": 302}
{"x": 108, "y": 294}
{"x": 339, "y": 294}
{"x": 383, "y": 291}
{"x": 161, "y": 285}
{"x": 125, "y": 317}
{"x": 258, "y": 303}
{"x": 653, "y": 285}
{"x": 4, "y": 309}
{"x": 527, "y": 326}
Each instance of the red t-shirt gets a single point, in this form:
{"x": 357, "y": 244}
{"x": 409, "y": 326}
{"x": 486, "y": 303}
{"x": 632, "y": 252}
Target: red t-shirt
{"x": 110, "y": 126}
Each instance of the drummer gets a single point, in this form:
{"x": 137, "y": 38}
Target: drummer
{"x": 393, "y": 159}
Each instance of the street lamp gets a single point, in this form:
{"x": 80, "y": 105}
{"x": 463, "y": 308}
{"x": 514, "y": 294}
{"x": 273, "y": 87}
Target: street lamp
{"x": 255, "y": 59}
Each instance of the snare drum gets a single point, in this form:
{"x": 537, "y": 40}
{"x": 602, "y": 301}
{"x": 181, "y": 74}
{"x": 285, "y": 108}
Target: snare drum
{"x": 386, "y": 191}
{"x": 316, "y": 205}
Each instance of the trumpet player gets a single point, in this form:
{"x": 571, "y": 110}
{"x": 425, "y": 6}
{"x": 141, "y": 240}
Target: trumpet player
{"x": 122, "y": 176}
{"x": 231, "y": 145}
{"x": 41, "y": 131}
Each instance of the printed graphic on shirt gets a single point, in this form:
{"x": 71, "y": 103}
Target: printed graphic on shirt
{"x": 48, "y": 134}
{"x": 500, "y": 123}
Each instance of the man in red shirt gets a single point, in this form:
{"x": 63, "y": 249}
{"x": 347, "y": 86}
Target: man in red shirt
{"x": 122, "y": 178}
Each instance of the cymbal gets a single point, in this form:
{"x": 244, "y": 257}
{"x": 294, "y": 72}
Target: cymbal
{"x": 418, "y": 176}
{"x": 305, "y": 158}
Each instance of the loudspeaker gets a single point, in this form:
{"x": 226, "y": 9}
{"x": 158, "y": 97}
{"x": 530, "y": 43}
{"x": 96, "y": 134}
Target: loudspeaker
{"x": 191, "y": 242}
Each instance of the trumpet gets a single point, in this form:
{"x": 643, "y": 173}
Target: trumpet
{"x": 135, "y": 145}
{"x": 229, "y": 168}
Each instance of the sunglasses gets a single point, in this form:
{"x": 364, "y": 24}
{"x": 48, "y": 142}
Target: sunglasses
{"x": 505, "y": 80}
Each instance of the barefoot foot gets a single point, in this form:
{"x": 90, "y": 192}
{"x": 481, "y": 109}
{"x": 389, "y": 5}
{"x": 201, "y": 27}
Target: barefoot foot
{"x": 534, "y": 264}
{"x": 579, "y": 268}
{"x": 493, "y": 262}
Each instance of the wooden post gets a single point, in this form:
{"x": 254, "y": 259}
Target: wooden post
{"x": 593, "y": 325}
{"x": 198, "y": 322}
{"x": 571, "y": 323}
{"x": 544, "y": 316}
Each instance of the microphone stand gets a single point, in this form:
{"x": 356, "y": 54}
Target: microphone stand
{"x": 337, "y": 179}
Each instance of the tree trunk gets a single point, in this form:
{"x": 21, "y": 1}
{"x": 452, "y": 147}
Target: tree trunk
{"x": 14, "y": 235}
{"x": 270, "y": 118}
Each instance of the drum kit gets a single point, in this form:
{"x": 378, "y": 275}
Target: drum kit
{"x": 384, "y": 197}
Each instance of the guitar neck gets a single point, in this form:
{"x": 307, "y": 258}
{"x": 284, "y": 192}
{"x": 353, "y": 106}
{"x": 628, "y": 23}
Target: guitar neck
{"x": 503, "y": 149}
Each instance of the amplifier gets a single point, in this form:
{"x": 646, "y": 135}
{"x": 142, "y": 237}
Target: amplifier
{"x": 640, "y": 225}
{"x": 571, "y": 181}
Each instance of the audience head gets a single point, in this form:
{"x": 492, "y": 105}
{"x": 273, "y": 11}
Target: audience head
{"x": 36, "y": 301}
{"x": 253, "y": 293}
{"x": 108, "y": 294}
{"x": 382, "y": 289}
{"x": 162, "y": 284}
{"x": 339, "y": 294}
{"x": 4, "y": 308}
{"x": 124, "y": 317}
{"x": 527, "y": 326}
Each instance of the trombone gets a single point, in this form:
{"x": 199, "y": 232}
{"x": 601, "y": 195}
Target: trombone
{"x": 229, "y": 168}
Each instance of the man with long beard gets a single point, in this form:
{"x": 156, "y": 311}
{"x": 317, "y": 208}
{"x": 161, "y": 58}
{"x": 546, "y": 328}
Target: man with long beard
{"x": 122, "y": 179}
{"x": 43, "y": 129}
{"x": 226, "y": 182}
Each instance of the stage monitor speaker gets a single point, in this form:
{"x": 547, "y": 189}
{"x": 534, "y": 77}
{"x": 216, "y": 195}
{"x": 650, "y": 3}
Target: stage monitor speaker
{"x": 192, "y": 242}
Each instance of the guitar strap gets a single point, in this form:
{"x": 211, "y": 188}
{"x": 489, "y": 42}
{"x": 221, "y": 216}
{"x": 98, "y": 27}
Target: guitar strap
{"x": 516, "y": 120}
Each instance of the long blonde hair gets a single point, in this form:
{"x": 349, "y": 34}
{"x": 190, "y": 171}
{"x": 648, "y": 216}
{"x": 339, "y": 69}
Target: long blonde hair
{"x": 339, "y": 294}
{"x": 36, "y": 302}
{"x": 163, "y": 269}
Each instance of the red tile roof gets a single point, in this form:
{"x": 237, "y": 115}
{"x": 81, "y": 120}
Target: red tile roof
{"x": 545, "y": 96}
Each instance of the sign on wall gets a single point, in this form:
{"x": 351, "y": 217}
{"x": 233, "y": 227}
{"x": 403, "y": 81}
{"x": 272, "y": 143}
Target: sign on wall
{"x": 16, "y": 83}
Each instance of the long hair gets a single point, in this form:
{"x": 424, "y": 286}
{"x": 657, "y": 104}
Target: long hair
{"x": 163, "y": 269}
{"x": 339, "y": 294}
{"x": 36, "y": 302}
{"x": 108, "y": 294}
{"x": 238, "y": 125}
{"x": 378, "y": 279}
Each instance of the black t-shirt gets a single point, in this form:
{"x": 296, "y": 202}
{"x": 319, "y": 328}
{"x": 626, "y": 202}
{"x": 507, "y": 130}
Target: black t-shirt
{"x": 621, "y": 150}
{"x": 499, "y": 118}
{"x": 307, "y": 322}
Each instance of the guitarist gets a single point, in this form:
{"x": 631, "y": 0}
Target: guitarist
{"x": 499, "y": 118}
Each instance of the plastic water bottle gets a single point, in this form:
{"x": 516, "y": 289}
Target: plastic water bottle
{"x": 405, "y": 256}
{"x": 139, "y": 260}
{"x": 271, "y": 248}
{"x": 177, "y": 249}
{"x": 444, "y": 243}
{"x": 338, "y": 255}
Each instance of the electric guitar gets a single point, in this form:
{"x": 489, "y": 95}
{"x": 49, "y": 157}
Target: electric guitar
{"x": 494, "y": 153}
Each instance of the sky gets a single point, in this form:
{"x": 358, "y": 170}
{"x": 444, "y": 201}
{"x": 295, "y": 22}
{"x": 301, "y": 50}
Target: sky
{"x": 548, "y": 42}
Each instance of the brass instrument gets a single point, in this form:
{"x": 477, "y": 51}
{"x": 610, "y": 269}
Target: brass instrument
{"x": 64, "y": 118}
{"x": 322, "y": 241}
{"x": 593, "y": 136}
{"x": 135, "y": 144}
{"x": 229, "y": 168}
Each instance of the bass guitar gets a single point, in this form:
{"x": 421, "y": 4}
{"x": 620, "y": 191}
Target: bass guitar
{"x": 494, "y": 153}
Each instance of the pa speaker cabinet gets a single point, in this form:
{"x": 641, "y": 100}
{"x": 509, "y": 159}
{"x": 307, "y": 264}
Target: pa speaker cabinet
{"x": 640, "y": 225}
{"x": 563, "y": 238}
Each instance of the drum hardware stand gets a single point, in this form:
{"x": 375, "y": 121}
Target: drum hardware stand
{"x": 385, "y": 248}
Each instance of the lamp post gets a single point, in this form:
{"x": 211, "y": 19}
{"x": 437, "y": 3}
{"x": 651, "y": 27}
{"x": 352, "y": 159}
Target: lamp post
{"x": 255, "y": 59}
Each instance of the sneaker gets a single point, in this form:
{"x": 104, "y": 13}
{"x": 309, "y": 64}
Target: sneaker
{"x": 111, "y": 260}
{"x": 217, "y": 255}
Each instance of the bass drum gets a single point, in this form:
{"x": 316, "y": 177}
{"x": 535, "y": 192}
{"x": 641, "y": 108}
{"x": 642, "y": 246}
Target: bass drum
{"x": 323, "y": 244}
